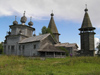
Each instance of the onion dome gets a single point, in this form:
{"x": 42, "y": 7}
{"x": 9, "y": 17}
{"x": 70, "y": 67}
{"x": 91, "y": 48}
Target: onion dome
{"x": 9, "y": 33}
{"x": 86, "y": 8}
{"x": 52, "y": 14}
{"x": 15, "y": 22}
{"x": 30, "y": 23}
{"x": 23, "y": 19}
{"x": 34, "y": 34}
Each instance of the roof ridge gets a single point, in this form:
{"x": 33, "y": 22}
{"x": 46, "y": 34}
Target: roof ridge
{"x": 35, "y": 38}
{"x": 46, "y": 36}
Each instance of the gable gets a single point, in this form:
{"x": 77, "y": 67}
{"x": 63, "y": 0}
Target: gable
{"x": 49, "y": 40}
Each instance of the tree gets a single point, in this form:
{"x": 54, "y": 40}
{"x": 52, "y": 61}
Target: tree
{"x": 1, "y": 48}
{"x": 98, "y": 47}
{"x": 47, "y": 30}
{"x": 44, "y": 30}
{"x": 64, "y": 49}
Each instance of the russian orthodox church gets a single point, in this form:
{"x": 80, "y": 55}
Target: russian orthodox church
{"x": 21, "y": 41}
{"x": 87, "y": 36}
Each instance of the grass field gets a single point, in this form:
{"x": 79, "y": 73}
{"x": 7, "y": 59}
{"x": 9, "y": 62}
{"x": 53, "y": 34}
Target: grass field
{"x": 18, "y": 65}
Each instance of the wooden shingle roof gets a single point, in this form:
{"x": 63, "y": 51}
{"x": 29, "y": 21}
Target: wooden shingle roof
{"x": 35, "y": 38}
{"x": 66, "y": 45}
{"x": 86, "y": 21}
{"x": 50, "y": 48}
{"x": 86, "y": 24}
{"x": 52, "y": 25}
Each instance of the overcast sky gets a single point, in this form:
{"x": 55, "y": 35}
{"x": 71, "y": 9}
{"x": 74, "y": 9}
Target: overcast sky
{"x": 70, "y": 12}
{"x": 64, "y": 9}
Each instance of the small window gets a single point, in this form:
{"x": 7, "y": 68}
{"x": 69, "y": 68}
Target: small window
{"x": 8, "y": 47}
{"x": 12, "y": 48}
{"x": 23, "y": 47}
{"x": 19, "y": 47}
{"x": 34, "y": 46}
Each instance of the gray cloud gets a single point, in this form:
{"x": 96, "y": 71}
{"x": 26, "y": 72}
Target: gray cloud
{"x": 71, "y": 10}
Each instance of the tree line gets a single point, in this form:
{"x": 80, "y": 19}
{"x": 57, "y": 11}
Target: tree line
{"x": 1, "y": 48}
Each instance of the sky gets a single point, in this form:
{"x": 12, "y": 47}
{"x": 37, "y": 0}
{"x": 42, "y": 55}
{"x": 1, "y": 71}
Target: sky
{"x": 68, "y": 16}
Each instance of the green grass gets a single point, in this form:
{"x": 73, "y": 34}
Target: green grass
{"x": 18, "y": 65}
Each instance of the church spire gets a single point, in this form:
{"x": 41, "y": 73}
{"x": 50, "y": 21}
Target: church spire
{"x": 53, "y": 28}
{"x": 52, "y": 24}
{"x": 86, "y": 20}
{"x": 86, "y": 24}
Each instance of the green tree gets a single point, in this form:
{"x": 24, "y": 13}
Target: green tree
{"x": 49, "y": 31}
{"x": 44, "y": 30}
{"x": 98, "y": 47}
{"x": 1, "y": 48}
{"x": 64, "y": 49}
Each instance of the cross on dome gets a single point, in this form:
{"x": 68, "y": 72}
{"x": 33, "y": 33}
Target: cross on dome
{"x": 15, "y": 18}
{"x": 86, "y": 8}
{"x": 31, "y": 18}
{"x": 52, "y": 13}
{"x": 24, "y": 13}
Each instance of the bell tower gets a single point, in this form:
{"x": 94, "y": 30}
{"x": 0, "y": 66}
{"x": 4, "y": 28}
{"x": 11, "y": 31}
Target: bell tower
{"x": 87, "y": 36}
{"x": 53, "y": 28}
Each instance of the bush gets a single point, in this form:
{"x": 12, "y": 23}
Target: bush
{"x": 1, "y": 48}
{"x": 64, "y": 49}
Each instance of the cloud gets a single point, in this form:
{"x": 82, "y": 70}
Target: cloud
{"x": 96, "y": 42}
{"x": 63, "y": 9}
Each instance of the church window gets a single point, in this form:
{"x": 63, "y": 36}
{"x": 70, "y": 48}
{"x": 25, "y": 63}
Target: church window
{"x": 34, "y": 46}
{"x": 19, "y": 47}
{"x": 12, "y": 48}
{"x": 8, "y": 47}
{"x": 23, "y": 47}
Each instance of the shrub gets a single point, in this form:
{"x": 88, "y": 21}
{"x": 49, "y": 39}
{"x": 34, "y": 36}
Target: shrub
{"x": 64, "y": 49}
{"x": 1, "y": 48}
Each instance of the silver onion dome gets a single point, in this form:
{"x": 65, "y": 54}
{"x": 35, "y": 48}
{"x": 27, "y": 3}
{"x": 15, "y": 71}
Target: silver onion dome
{"x": 15, "y": 22}
{"x": 23, "y": 18}
{"x": 30, "y": 23}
